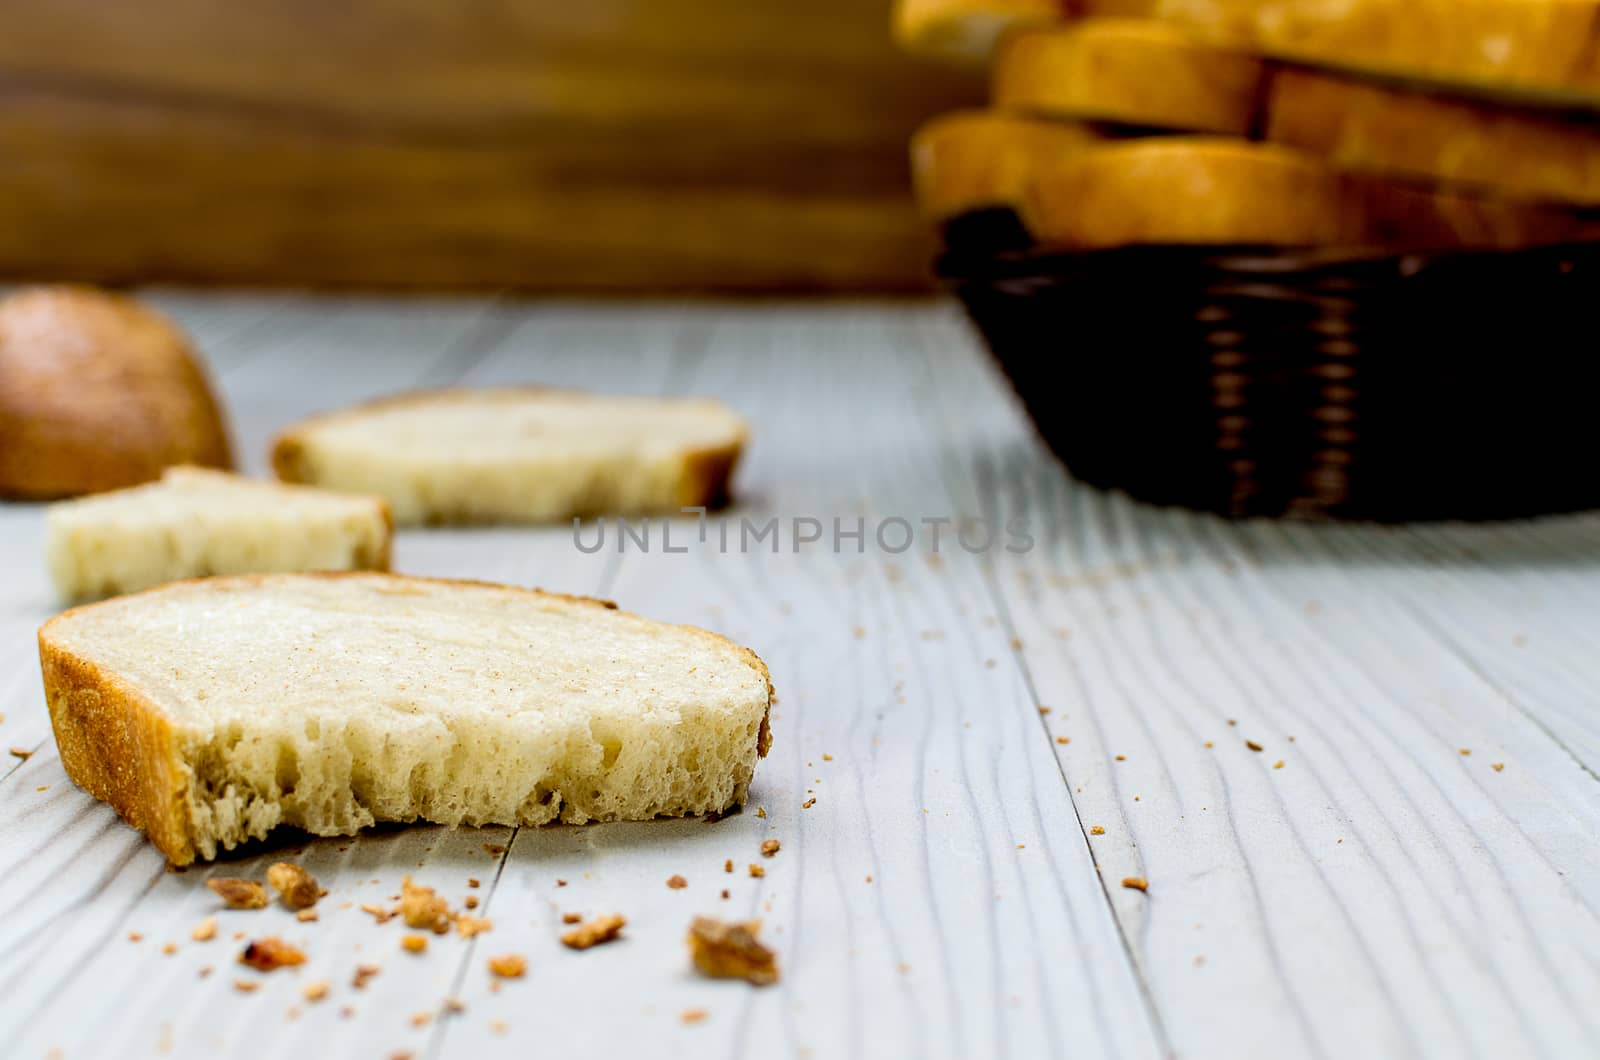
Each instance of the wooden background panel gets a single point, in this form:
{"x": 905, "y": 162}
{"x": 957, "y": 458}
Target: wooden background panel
{"x": 616, "y": 144}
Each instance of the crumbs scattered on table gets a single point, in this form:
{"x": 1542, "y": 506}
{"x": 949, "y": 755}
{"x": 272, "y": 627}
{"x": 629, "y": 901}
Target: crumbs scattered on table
{"x": 1210, "y": 744}
{"x": 22, "y": 753}
{"x": 1136, "y": 883}
{"x": 42, "y": 787}
{"x": 472, "y": 926}
{"x": 1097, "y": 830}
{"x": 421, "y": 1019}
{"x": 827, "y": 757}
{"x": 561, "y": 883}
{"x": 727, "y": 866}
{"x": 1063, "y": 739}
{"x": 1122, "y": 758}
{"x": 1233, "y": 721}
{"x": 421, "y": 907}
{"x": 414, "y": 943}
{"x": 239, "y": 894}
{"x": 676, "y": 882}
{"x": 498, "y": 1026}
{"x": 808, "y": 804}
{"x": 757, "y": 871}
{"x": 380, "y": 914}
{"x": 306, "y": 916}
{"x": 572, "y": 918}
{"x": 271, "y": 953}
{"x": 693, "y": 1015}
{"x": 1464, "y": 752}
{"x": 594, "y": 932}
{"x": 363, "y": 973}
{"x": 722, "y": 950}
{"x": 316, "y": 991}
{"x": 725, "y": 894}
{"x": 170, "y": 948}
{"x": 1044, "y": 710}
{"x": 495, "y": 849}
{"x": 472, "y": 881}
{"x": 1253, "y": 745}
{"x": 761, "y": 811}
{"x": 1278, "y": 764}
{"x": 1497, "y": 766}
{"x": 470, "y": 901}
{"x": 769, "y": 847}
{"x": 246, "y": 986}
{"x": 297, "y": 886}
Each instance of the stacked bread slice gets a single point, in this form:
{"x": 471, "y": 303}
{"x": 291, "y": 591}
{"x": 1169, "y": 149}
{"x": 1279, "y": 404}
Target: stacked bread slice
{"x": 1290, "y": 123}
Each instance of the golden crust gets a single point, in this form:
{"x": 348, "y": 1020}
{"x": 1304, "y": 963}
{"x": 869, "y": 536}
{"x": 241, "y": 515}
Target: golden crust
{"x": 119, "y": 747}
{"x": 1373, "y": 129}
{"x": 1129, "y": 71}
{"x": 975, "y": 159}
{"x": 98, "y": 392}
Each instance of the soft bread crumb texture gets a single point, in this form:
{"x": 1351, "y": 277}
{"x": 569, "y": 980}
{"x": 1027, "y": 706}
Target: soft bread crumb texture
{"x": 519, "y": 455}
{"x": 195, "y": 523}
{"x": 210, "y": 712}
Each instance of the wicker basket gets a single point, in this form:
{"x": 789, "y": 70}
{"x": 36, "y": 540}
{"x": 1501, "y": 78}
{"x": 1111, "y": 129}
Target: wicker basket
{"x": 1316, "y": 384}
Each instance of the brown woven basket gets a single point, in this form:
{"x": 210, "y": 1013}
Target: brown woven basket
{"x": 1312, "y": 384}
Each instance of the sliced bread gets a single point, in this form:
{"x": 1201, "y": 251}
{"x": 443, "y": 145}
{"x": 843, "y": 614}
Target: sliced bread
{"x": 195, "y": 523}
{"x": 1371, "y": 128}
{"x": 519, "y": 455}
{"x": 1545, "y": 50}
{"x": 1214, "y": 191}
{"x": 973, "y": 160}
{"x": 964, "y": 31}
{"x": 98, "y": 392}
{"x": 1130, "y": 71}
{"x": 209, "y": 712}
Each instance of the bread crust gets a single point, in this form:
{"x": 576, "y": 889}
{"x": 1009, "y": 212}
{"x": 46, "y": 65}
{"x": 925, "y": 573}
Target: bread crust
{"x": 98, "y": 392}
{"x": 706, "y": 476}
{"x": 117, "y": 745}
{"x": 1374, "y": 129}
{"x": 1133, "y": 72}
{"x": 977, "y": 160}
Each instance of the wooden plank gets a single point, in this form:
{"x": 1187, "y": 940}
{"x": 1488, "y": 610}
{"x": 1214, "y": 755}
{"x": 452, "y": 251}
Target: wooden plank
{"x": 1380, "y": 893}
{"x": 618, "y": 144}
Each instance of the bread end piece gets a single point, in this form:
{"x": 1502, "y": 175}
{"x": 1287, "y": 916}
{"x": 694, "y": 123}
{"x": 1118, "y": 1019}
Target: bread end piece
{"x": 117, "y": 746}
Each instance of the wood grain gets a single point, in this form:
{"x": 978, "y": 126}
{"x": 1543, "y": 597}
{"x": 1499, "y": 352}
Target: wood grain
{"x": 687, "y": 144}
{"x": 1380, "y": 894}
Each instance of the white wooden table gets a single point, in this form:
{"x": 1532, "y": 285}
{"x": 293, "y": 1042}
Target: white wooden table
{"x": 1360, "y": 887}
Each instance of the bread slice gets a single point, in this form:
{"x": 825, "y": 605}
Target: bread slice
{"x": 964, "y": 32}
{"x": 519, "y": 455}
{"x": 208, "y": 713}
{"x": 98, "y": 392}
{"x": 1129, "y": 71}
{"x": 196, "y": 522}
{"x": 1508, "y": 150}
{"x": 1547, "y": 50}
{"x": 1214, "y": 191}
{"x": 972, "y": 160}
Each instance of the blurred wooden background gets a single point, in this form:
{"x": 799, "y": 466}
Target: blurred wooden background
{"x": 603, "y": 144}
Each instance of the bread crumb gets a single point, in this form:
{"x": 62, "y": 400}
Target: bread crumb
{"x": 472, "y": 882}
{"x": 421, "y": 1019}
{"x": 414, "y": 943}
{"x": 1044, "y": 710}
{"x": 134, "y": 936}
{"x": 1210, "y": 744}
{"x": 808, "y": 804}
{"x": 1253, "y": 745}
{"x": 454, "y": 1006}
{"x": 271, "y": 953}
{"x": 723, "y": 950}
{"x": 572, "y": 918}
{"x": 494, "y": 848}
{"x": 22, "y": 753}
{"x": 594, "y": 932}
{"x": 1136, "y": 883}
{"x": 380, "y": 914}
{"x": 498, "y": 1026}
{"x": 297, "y": 886}
{"x": 420, "y": 907}
{"x": 693, "y": 1015}
{"x": 1233, "y": 721}
{"x": 1063, "y": 739}
{"x": 1278, "y": 764}
{"x": 508, "y": 966}
{"x": 725, "y": 894}
{"x": 769, "y": 847}
{"x": 757, "y": 871}
{"x": 561, "y": 883}
{"x": 205, "y": 971}
{"x": 170, "y": 948}
{"x": 761, "y": 811}
{"x": 42, "y": 787}
{"x": 677, "y": 883}
{"x": 1464, "y": 752}
{"x": 1097, "y": 830}
{"x": 306, "y": 916}
{"x": 239, "y": 894}
{"x": 827, "y": 758}
{"x": 316, "y": 991}
{"x": 246, "y": 986}
{"x": 471, "y": 901}
{"x": 1122, "y": 758}
{"x": 1497, "y": 766}
{"x": 362, "y": 974}
{"x": 727, "y": 866}
{"x": 470, "y": 926}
